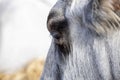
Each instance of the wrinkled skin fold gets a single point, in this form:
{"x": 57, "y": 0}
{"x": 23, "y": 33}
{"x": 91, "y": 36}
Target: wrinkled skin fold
{"x": 86, "y": 40}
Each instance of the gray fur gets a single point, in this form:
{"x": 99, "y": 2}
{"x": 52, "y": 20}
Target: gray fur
{"x": 88, "y": 45}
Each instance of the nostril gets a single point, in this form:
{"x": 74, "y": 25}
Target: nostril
{"x": 57, "y": 24}
{"x": 58, "y": 27}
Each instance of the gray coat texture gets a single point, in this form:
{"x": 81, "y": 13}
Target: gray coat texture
{"x": 85, "y": 40}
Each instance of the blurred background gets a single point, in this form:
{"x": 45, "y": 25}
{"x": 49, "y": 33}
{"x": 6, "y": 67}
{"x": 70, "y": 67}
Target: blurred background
{"x": 24, "y": 39}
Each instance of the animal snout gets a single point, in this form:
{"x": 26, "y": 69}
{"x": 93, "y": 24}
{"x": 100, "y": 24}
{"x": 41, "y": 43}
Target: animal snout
{"x": 56, "y": 24}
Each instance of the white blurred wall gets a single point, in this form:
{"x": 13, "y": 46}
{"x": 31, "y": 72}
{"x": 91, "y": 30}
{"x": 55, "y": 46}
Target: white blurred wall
{"x": 23, "y": 32}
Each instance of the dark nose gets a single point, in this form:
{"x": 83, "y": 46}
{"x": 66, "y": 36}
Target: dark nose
{"x": 56, "y": 23}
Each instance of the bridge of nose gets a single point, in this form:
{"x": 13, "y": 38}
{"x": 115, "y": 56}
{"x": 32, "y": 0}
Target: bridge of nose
{"x": 58, "y": 10}
{"x": 56, "y": 16}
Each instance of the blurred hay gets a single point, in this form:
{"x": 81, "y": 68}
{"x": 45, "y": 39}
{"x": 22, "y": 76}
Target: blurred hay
{"x": 31, "y": 72}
